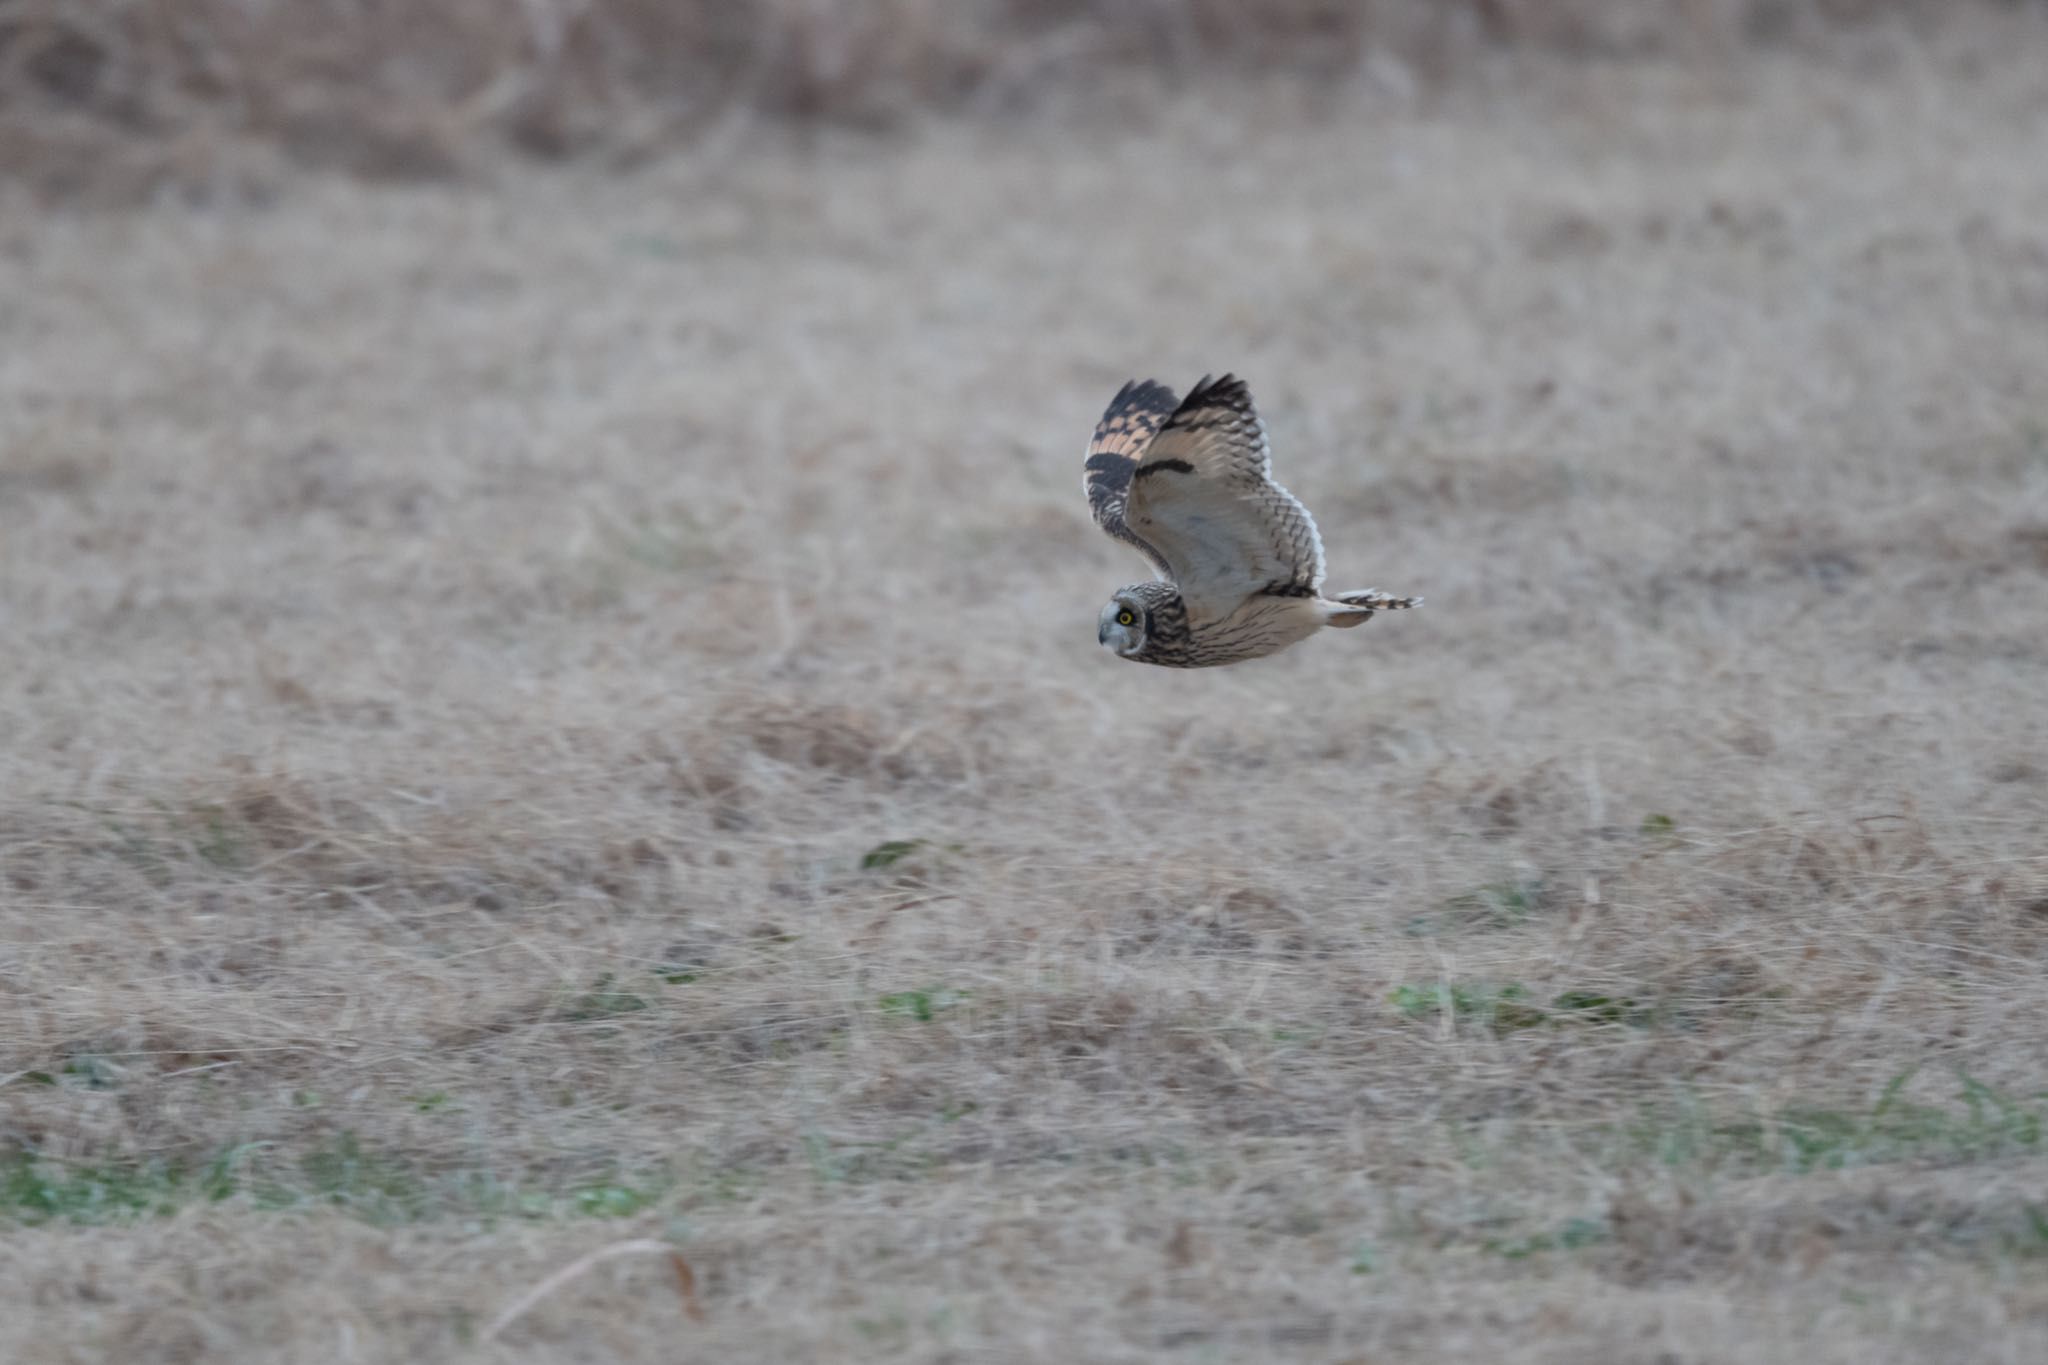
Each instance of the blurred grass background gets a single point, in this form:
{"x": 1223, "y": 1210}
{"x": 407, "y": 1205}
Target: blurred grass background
{"x": 543, "y": 706}
{"x": 112, "y": 98}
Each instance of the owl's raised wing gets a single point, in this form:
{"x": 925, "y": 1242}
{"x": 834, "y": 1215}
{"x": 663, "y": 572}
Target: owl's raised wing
{"x": 1127, "y": 427}
{"x": 1203, "y": 500}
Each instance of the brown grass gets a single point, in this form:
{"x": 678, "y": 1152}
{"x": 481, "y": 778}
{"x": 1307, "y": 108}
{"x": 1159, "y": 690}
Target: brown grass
{"x": 110, "y": 99}
{"x": 575, "y": 695}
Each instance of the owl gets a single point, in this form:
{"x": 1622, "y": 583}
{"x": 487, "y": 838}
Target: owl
{"x": 1190, "y": 484}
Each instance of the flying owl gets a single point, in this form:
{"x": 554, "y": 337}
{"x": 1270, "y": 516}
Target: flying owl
{"x": 1190, "y": 484}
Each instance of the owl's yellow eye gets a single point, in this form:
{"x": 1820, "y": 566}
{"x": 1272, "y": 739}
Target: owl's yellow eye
{"x": 1124, "y": 618}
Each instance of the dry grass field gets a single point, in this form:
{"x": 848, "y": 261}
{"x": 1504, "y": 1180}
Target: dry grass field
{"x": 556, "y": 707}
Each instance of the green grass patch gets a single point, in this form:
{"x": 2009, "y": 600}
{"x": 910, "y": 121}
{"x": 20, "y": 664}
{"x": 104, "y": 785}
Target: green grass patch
{"x": 1574, "y": 1234}
{"x": 605, "y": 999}
{"x": 381, "y": 1188}
{"x": 921, "y": 1005}
{"x": 1499, "y": 905}
{"x": 345, "y": 1175}
{"x": 2034, "y": 1241}
{"x": 91, "y": 1071}
{"x": 910, "y": 860}
{"x": 615, "y": 1198}
{"x": 1983, "y": 1122}
{"x": 34, "y": 1192}
{"x": 843, "y": 1163}
{"x": 1498, "y": 1007}
{"x": 1596, "y": 1007}
{"x": 889, "y": 853}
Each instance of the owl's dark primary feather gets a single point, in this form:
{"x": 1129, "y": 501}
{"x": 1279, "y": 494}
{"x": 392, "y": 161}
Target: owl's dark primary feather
{"x": 1127, "y": 427}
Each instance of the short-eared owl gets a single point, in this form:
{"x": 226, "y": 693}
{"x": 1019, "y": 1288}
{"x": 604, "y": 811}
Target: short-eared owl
{"x": 1190, "y": 484}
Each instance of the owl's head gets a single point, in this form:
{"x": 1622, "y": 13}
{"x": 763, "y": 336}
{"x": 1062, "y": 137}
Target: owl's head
{"x": 1125, "y": 624}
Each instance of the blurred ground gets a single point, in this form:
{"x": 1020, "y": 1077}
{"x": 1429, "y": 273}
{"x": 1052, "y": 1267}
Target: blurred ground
{"x": 561, "y": 707}
{"x": 113, "y": 100}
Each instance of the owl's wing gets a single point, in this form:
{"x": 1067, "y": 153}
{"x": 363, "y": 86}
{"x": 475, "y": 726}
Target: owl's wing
{"x": 1203, "y": 498}
{"x": 1128, "y": 425}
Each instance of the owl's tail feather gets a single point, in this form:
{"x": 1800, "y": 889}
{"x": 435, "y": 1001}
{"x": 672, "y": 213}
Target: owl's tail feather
{"x": 1363, "y": 606}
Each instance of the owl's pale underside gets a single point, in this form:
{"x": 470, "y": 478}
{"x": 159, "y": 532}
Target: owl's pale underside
{"x": 1189, "y": 483}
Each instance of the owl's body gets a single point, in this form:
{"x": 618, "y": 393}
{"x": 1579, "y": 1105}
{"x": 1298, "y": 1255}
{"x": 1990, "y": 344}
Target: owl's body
{"x": 1189, "y": 483}
{"x": 1261, "y": 624}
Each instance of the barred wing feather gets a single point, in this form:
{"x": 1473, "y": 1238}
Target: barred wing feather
{"x": 1202, "y": 502}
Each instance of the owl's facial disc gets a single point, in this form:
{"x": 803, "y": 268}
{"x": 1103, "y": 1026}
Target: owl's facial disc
{"x": 1121, "y": 627}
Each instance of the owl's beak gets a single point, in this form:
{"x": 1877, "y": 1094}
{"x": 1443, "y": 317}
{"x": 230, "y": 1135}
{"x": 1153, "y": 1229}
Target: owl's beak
{"x": 1101, "y": 633}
